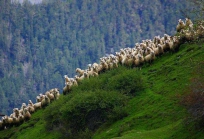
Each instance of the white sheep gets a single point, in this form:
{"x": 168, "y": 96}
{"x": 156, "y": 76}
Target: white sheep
{"x": 150, "y": 57}
{"x": 80, "y": 71}
{"x": 67, "y": 88}
{"x": 181, "y": 25}
{"x": 50, "y": 95}
{"x": 37, "y": 105}
{"x": 158, "y": 50}
{"x": 188, "y": 22}
{"x": 45, "y": 101}
{"x": 26, "y": 114}
{"x": 16, "y": 120}
{"x": 31, "y": 109}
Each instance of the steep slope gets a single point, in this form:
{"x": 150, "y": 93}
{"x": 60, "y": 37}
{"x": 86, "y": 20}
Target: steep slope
{"x": 42, "y": 42}
{"x": 153, "y": 112}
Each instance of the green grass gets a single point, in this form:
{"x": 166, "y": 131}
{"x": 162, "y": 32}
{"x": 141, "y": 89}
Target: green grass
{"x": 152, "y": 113}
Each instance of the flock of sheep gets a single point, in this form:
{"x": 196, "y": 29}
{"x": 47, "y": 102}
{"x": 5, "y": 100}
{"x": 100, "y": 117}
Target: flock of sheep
{"x": 146, "y": 51}
{"x": 24, "y": 113}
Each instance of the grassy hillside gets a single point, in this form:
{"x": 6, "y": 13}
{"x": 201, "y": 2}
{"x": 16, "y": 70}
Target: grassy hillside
{"x": 146, "y": 105}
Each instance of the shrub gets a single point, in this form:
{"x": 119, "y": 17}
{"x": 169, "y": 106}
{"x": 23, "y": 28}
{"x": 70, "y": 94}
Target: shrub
{"x": 85, "y": 112}
{"x": 194, "y": 98}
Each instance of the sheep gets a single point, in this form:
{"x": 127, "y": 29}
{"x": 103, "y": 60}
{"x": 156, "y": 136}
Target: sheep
{"x": 45, "y": 101}
{"x": 115, "y": 63}
{"x": 86, "y": 74}
{"x": 37, "y": 105}
{"x": 104, "y": 65}
{"x": 129, "y": 60}
{"x": 8, "y": 121}
{"x": 16, "y": 121}
{"x": 67, "y": 88}
{"x": 38, "y": 99}
{"x": 80, "y": 71}
{"x": 66, "y": 79}
{"x": 136, "y": 61}
{"x": 188, "y": 22}
{"x": 159, "y": 50}
{"x": 78, "y": 79}
{"x": 169, "y": 45}
{"x": 16, "y": 111}
{"x": 26, "y": 114}
{"x": 150, "y": 57}
{"x": 50, "y": 96}
{"x": 31, "y": 109}
{"x": 200, "y": 31}
{"x": 181, "y": 25}
{"x": 56, "y": 95}
{"x": 21, "y": 118}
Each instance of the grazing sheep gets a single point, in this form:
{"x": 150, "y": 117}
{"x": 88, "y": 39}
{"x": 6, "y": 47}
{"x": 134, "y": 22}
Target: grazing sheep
{"x": 159, "y": 50}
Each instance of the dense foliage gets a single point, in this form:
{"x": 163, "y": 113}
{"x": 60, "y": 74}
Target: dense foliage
{"x": 94, "y": 102}
{"x": 42, "y": 42}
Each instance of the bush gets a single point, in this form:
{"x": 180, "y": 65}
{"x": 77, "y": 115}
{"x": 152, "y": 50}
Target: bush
{"x": 95, "y": 101}
{"x": 83, "y": 112}
{"x": 194, "y": 98}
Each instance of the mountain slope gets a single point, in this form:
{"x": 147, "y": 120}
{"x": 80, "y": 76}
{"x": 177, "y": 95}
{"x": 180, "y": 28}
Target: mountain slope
{"x": 42, "y": 42}
{"x": 153, "y": 112}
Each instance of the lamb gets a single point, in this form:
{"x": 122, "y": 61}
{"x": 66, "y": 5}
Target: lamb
{"x": 180, "y": 25}
{"x": 80, "y": 71}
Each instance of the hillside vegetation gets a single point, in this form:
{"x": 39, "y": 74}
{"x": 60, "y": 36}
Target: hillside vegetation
{"x": 145, "y": 102}
{"x": 42, "y": 42}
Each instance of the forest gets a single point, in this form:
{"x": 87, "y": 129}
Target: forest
{"x": 40, "y": 43}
